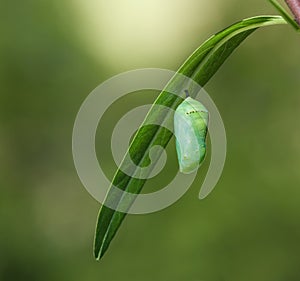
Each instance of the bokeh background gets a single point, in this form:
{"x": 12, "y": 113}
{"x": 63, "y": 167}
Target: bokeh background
{"x": 53, "y": 53}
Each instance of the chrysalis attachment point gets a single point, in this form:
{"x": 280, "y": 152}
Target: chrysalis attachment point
{"x": 187, "y": 94}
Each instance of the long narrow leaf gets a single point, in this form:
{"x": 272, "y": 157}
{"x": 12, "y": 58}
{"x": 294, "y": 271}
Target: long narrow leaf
{"x": 200, "y": 66}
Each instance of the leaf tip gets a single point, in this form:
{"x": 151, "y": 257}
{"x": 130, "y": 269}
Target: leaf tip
{"x": 98, "y": 252}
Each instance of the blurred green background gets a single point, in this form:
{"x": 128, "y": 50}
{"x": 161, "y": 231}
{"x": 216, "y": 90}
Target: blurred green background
{"x": 53, "y": 53}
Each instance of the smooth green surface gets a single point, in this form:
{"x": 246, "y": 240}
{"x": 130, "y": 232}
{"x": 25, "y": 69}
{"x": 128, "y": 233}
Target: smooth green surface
{"x": 190, "y": 130}
{"x": 247, "y": 229}
{"x": 200, "y": 66}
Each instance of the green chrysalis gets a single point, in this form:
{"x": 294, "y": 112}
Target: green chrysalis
{"x": 190, "y": 127}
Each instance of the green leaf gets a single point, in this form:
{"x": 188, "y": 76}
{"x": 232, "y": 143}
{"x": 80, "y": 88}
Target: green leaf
{"x": 200, "y": 66}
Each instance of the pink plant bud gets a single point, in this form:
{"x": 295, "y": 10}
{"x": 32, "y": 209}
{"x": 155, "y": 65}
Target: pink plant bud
{"x": 294, "y": 6}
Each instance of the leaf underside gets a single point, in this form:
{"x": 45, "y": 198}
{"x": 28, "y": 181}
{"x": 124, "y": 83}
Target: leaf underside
{"x": 200, "y": 67}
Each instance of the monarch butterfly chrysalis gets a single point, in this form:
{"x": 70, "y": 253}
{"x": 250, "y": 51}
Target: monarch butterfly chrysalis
{"x": 190, "y": 126}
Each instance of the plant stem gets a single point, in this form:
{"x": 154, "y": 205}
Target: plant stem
{"x": 286, "y": 15}
{"x": 294, "y": 6}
